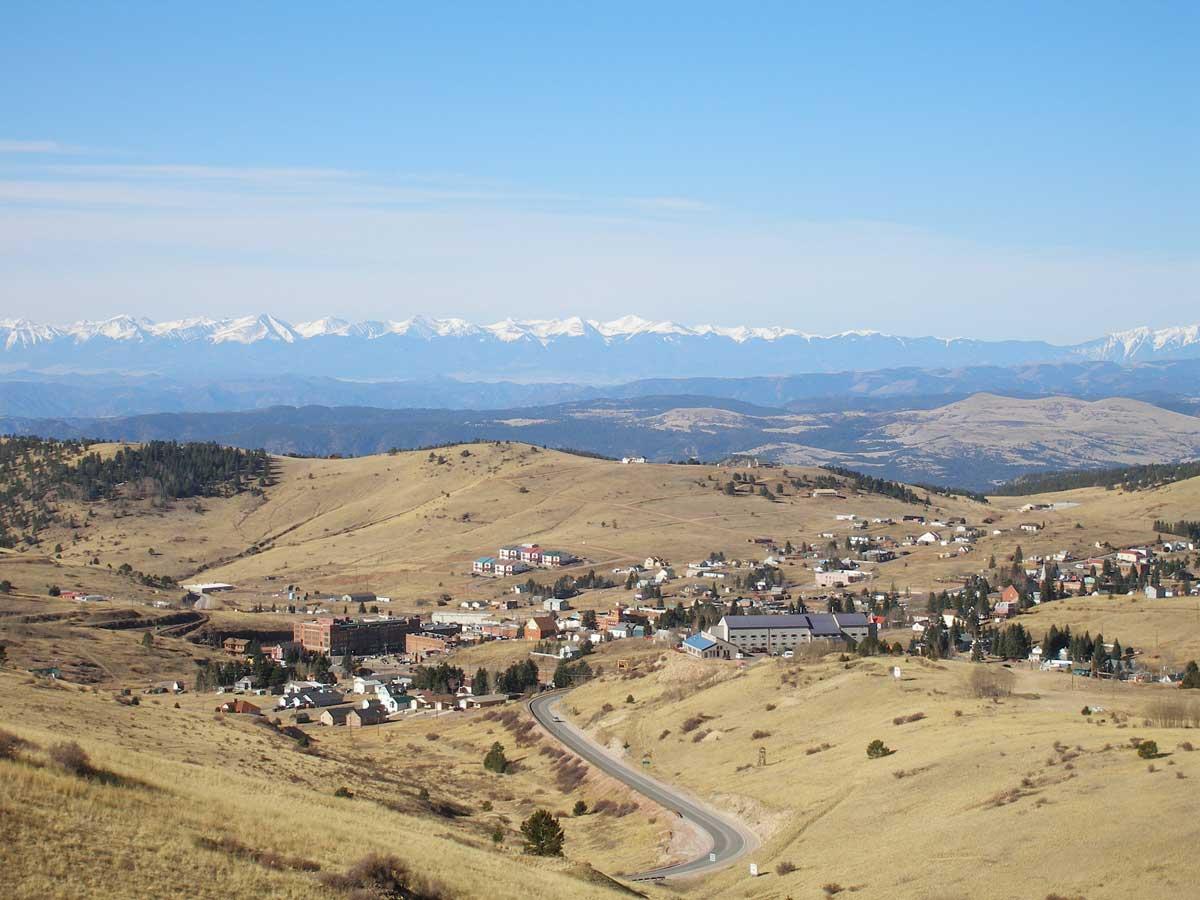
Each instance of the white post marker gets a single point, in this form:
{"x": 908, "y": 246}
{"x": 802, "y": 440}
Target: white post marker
{"x": 712, "y": 857}
{"x": 896, "y": 672}
{"x": 753, "y": 870}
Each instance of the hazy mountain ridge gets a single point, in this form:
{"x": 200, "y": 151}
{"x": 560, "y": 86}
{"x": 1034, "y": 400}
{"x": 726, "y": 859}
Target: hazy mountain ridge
{"x": 571, "y": 349}
{"x": 1172, "y": 384}
{"x": 973, "y": 443}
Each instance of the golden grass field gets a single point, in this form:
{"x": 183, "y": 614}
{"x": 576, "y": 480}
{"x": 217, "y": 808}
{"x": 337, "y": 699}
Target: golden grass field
{"x": 192, "y": 775}
{"x": 1024, "y": 797}
{"x": 977, "y": 801}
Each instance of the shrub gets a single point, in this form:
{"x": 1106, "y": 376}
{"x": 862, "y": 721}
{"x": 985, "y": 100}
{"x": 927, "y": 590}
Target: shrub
{"x": 1191, "y": 676}
{"x": 268, "y": 859}
{"x": 496, "y": 761}
{"x": 878, "y": 749}
{"x": 629, "y": 698}
{"x": 904, "y": 720}
{"x": 1186, "y": 747}
{"x": 785, "y": 868}
{"x": 770, "y": 706}
{"x": 1086, "y": 711}
{"x": 10, "y": 744}
{"x": 832, "y": 888}
{"x": 989, "y": 682}
{"x": 376, "y": 875}
{"x": 542, "y": 834}
{"x": 71, "y": 758}
{"x": 580, "y": 808}
{"x": 343, "y": 792}
{"x": 759, "y": 735}
{"x": 1147, "y": 750}
{"x": 1174, "y": 712}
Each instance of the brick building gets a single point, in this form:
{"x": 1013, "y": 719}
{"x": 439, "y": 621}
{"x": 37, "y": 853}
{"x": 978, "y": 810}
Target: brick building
{"x": 337, "y": 637}
{"x": 422, "y": 644}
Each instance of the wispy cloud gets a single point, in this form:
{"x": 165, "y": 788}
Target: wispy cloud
{"x": 671, "y": 204}
{"x": 203, "y": 173}
{"x": 42, "y": 147}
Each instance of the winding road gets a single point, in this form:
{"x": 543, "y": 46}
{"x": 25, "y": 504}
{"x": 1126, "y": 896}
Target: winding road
{"x": 727, "y": 840}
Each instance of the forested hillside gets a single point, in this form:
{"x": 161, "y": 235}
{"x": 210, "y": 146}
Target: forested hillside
{"x": 38, "y": 475}
{"x": 1130, "y": 478}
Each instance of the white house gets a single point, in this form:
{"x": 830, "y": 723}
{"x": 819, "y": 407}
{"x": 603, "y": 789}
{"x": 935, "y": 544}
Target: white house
{"x": 929, "y": 537}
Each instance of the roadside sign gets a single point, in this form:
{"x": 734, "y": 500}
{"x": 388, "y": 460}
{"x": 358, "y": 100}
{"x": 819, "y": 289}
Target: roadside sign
{"x": 753, "y": 870}
{"x": 712, "y": 857}
{"x": 896, "y": 672}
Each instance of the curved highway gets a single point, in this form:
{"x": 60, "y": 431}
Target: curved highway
{"x": 727, "y": 841}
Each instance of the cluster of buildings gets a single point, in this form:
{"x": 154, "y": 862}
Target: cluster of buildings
{"x": 515, "y": 559}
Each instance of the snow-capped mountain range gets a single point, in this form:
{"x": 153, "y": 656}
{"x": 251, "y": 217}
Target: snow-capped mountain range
{"x": 571, "y": 349}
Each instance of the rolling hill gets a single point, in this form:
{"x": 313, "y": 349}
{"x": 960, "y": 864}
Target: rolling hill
{"x": 976, "y": 442}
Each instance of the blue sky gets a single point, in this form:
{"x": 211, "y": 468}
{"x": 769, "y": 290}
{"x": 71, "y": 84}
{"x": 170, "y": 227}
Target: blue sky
{"x": 988, "y": 170}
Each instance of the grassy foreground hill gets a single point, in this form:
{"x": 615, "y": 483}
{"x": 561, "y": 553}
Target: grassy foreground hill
{"x": 1015, "y": 795}
{"x": 169, "y": 799}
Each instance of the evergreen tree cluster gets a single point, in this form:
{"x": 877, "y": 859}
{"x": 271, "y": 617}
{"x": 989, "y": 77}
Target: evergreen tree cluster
{"x": 441, "y": 679}
{"x": 518, "y": 678}
{"x": 1187, "y": 528}
{"x": 1129, "y": 478}
{"x": 868, "y": 484}
{"x": 176, "y": 470}
{"x": 36, "y": 473}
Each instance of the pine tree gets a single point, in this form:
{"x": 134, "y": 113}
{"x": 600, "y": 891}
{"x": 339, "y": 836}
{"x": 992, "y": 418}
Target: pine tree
{"x": 479, "y": 685}
{"x": 1191, "y": 675}
{"x": 495, "y": 760}
{"x": 542, "y": 834}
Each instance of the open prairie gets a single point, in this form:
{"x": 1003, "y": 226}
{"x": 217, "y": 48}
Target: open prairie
{"x": 981, "y": 797}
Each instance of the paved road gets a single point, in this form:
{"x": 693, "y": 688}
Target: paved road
{"x": 727, "y": 841}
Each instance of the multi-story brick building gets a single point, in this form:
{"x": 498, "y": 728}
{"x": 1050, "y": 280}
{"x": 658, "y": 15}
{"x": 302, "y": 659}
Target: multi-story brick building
{"x": 338, "y": 637}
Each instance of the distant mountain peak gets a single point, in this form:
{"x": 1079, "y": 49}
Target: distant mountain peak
{"x": 570, "y": 348}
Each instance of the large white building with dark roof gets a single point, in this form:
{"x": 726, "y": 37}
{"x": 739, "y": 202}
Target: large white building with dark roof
{"x": 774, "y": 634}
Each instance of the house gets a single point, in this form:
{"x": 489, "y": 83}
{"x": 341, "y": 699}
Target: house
{"x": 334, "y": 717}
{"x": 169, "y": 687}
{"x": 393, "y": 702}
{"x": 483, "y": 701}
{"x": 555, "y": 604}
{"x": 556, "y": 558}
{"x": 363, "y": 685}
{"x": 707, "y": 646}
{"x": 235, "y": 646}
{"x": 356, "y": 599}
{"x": 1031, "y": 527}
{"x": 929, "y": 537}
{"x": 540, "y": 628}
{"x": 370, "y": 712}
{"x": 311, "y": 699}
{"x": 485, "y": 565}
{"x": 839, "y": 577}
{"x": 240, "y": 707}
{"x": 245, "y": 683}
{"x": 1011, "y": 596}
{"x": 633, "y": 460}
